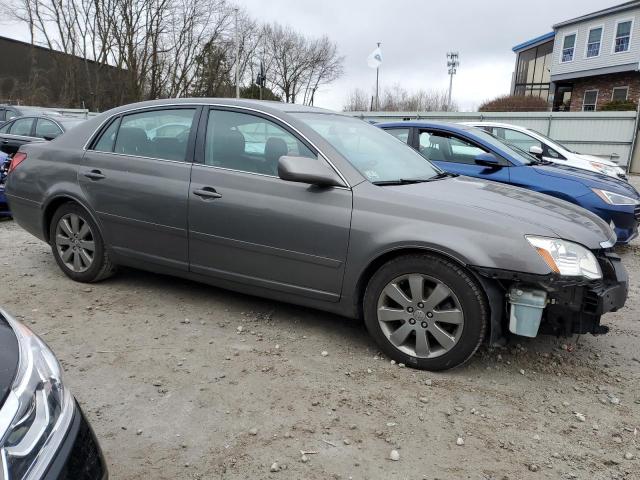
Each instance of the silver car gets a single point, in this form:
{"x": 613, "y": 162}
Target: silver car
{"x": 319, "y": 209}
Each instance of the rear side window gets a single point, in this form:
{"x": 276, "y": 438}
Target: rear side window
{"x": 22, "y": 126}
{"x": 3, "y": 115}
{"x": 46, "y": 128}
{"x": 5, "y": 128}
{"x": 162, "y": 134}
{"x": 108, "y": 137}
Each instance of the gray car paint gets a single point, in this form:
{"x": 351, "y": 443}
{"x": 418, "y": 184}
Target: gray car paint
{"x": 292, "y": 242}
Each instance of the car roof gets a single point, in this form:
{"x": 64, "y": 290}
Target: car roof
{"x": 230, "y": 102}
{"x": 495, "y": 124}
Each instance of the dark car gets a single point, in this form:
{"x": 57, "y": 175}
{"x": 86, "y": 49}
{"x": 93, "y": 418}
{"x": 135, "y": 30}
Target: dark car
{"x": 4, "y": 168}
{"x": 21, "y": 130}
{"x": 313, "y": 207}
{"x": 43, "y": 432}
{"x": 467, "y": 150}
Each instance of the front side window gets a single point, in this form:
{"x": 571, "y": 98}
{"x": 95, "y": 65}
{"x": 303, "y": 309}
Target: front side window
{"x": 623, "y": 37}
{"x": 22, "y": 126}
{"x": 568, "y": 47}
{"x": 590, "y": 100}
{"x": 620, "y": 94}
{"x": 249, "y": 143}
{"x": 162, "y": 134}
{"x": 440, "y": 146}
{"x": 401, "y": 134}
{"x": 593, "y": 42}
{"x": 46, "y": 128}
{"x": 373, "y": 152}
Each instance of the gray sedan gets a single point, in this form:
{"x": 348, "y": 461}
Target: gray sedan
{"x": 312, "y": 207}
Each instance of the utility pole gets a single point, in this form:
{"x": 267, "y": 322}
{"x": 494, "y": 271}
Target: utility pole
{"x": 377, "y": 85}
{"x": 453, "y": 63}
{"x": 237, "y": 57}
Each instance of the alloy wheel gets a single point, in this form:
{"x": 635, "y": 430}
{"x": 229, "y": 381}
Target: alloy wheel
{"x": 75, "y": 242}
{"x": 420, "y": 315}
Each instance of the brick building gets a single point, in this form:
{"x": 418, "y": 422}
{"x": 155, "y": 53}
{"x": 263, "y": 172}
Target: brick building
{"x": 586, "y": 62}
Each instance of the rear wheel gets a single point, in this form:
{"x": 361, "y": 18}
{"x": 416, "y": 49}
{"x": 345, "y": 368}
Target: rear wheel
{"x": 78, "y": 246}
{"x": 426, "y": 312}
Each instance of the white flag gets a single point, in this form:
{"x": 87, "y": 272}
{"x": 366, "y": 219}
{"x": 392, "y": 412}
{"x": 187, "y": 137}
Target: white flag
{"x": 374, "y": 60}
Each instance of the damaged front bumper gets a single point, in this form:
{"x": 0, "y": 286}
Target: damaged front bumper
{"x": 573, "y": 306}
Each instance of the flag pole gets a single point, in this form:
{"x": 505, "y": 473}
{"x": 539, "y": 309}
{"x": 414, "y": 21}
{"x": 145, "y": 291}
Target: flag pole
{"x": 377, "y": 83}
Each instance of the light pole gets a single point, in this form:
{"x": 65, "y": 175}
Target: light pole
{"x": 377, "y": 84}
{"x": 237, "y": 57}
{"x": 453, "y": 63}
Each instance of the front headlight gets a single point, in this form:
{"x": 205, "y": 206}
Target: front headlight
{"x": 615, "y": 198}
{"x": 566, "y": 258}
{"x": 607, "y": 169}
{"x": 37, "y": 412}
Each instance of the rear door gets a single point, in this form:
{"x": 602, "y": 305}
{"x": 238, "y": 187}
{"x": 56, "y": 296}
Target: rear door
{"x": 455, "y": 154}
{"x": 138, "y": 185}
{"x": 17, "y": 133}
{"x": 249, "y": 226}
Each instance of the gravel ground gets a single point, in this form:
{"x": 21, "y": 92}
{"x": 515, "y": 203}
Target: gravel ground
{"x": 185, "y": 381}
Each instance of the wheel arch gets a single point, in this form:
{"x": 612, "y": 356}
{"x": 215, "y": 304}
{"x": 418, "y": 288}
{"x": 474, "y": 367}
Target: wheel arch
{"x": 54, "y": 203}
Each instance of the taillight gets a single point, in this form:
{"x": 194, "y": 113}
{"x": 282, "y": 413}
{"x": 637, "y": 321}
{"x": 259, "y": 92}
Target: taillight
{"x": 17, "y": 159}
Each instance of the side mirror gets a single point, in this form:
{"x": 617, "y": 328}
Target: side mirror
{"x": 534, "y": 150}
{"x": 307, "y": 170}
{"x": 488, "y": 160}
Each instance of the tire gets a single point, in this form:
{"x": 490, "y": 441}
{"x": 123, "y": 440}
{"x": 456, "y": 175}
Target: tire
{"x": 77, "y": 245}
{"x": 451, "y": 314}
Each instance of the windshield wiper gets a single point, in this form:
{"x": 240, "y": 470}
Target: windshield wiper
{"x": 409, "y": 181}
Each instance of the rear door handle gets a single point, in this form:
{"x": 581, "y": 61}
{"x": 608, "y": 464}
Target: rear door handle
{"x": 4, "y": 142}
{"x": 94, "y": 175}
{"x": 207, "y": 193}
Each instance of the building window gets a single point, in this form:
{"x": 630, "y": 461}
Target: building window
{"x": 589, "y": 101}
{"x": 593, "y": 42}
{"x": 568, "y": 47}
{"x": 532, "y": 71}
{"x": 623, "y": 36}
{"x": 620, "y": 94}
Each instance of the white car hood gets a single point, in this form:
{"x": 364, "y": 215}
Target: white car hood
{"x": 593, "y": 158}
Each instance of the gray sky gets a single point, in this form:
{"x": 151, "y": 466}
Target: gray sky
{"x": 415, "y": 36}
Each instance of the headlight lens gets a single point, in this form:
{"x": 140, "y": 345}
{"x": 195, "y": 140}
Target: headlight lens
{"x": 566, "y": 258}
{"x": 615, "y": 198}
{"x": 37, "y": 412}
{"x": 607, "y": 169}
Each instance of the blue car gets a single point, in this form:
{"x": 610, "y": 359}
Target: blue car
{"x": 4, "y": 166}
{"x": 473, "y": 152}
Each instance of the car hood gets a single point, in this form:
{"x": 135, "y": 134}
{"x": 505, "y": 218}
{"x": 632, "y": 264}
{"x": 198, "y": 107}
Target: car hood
{"x": 587, "y": 178}
{"x": 527, "y": 212}
{"x": 9, "y": 358}
{"x": 593, "y": 158}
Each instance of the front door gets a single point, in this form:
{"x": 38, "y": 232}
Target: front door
{"x": 136, "y": 178}
{"x": 249, "y": 226}
{"x": 457, "y": 155}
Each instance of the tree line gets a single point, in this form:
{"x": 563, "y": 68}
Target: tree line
{"x": 398, "y": 99}
{"x": 176, "y": 48}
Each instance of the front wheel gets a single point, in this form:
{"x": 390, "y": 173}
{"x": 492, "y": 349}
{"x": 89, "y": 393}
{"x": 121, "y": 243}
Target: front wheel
{"x": 78, "y": 246}
{"x": 426, "y": 312}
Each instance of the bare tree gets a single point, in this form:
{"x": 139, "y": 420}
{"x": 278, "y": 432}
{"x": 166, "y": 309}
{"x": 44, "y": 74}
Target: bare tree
{"x": 357, "y": 101}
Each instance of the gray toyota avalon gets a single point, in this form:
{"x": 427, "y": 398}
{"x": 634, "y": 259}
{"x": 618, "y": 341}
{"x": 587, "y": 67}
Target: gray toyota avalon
{"x": 308, "y": 206}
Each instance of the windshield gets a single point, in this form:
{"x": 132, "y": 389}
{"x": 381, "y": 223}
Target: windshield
{"x": 378, "y": 156}
{"x": 554, "y": 143}
{"x": 497, "y": 142}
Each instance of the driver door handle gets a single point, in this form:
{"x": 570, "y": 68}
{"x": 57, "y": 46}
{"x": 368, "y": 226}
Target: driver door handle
{"x": 94, "y": 175}
{"x": 207, "y": 193}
